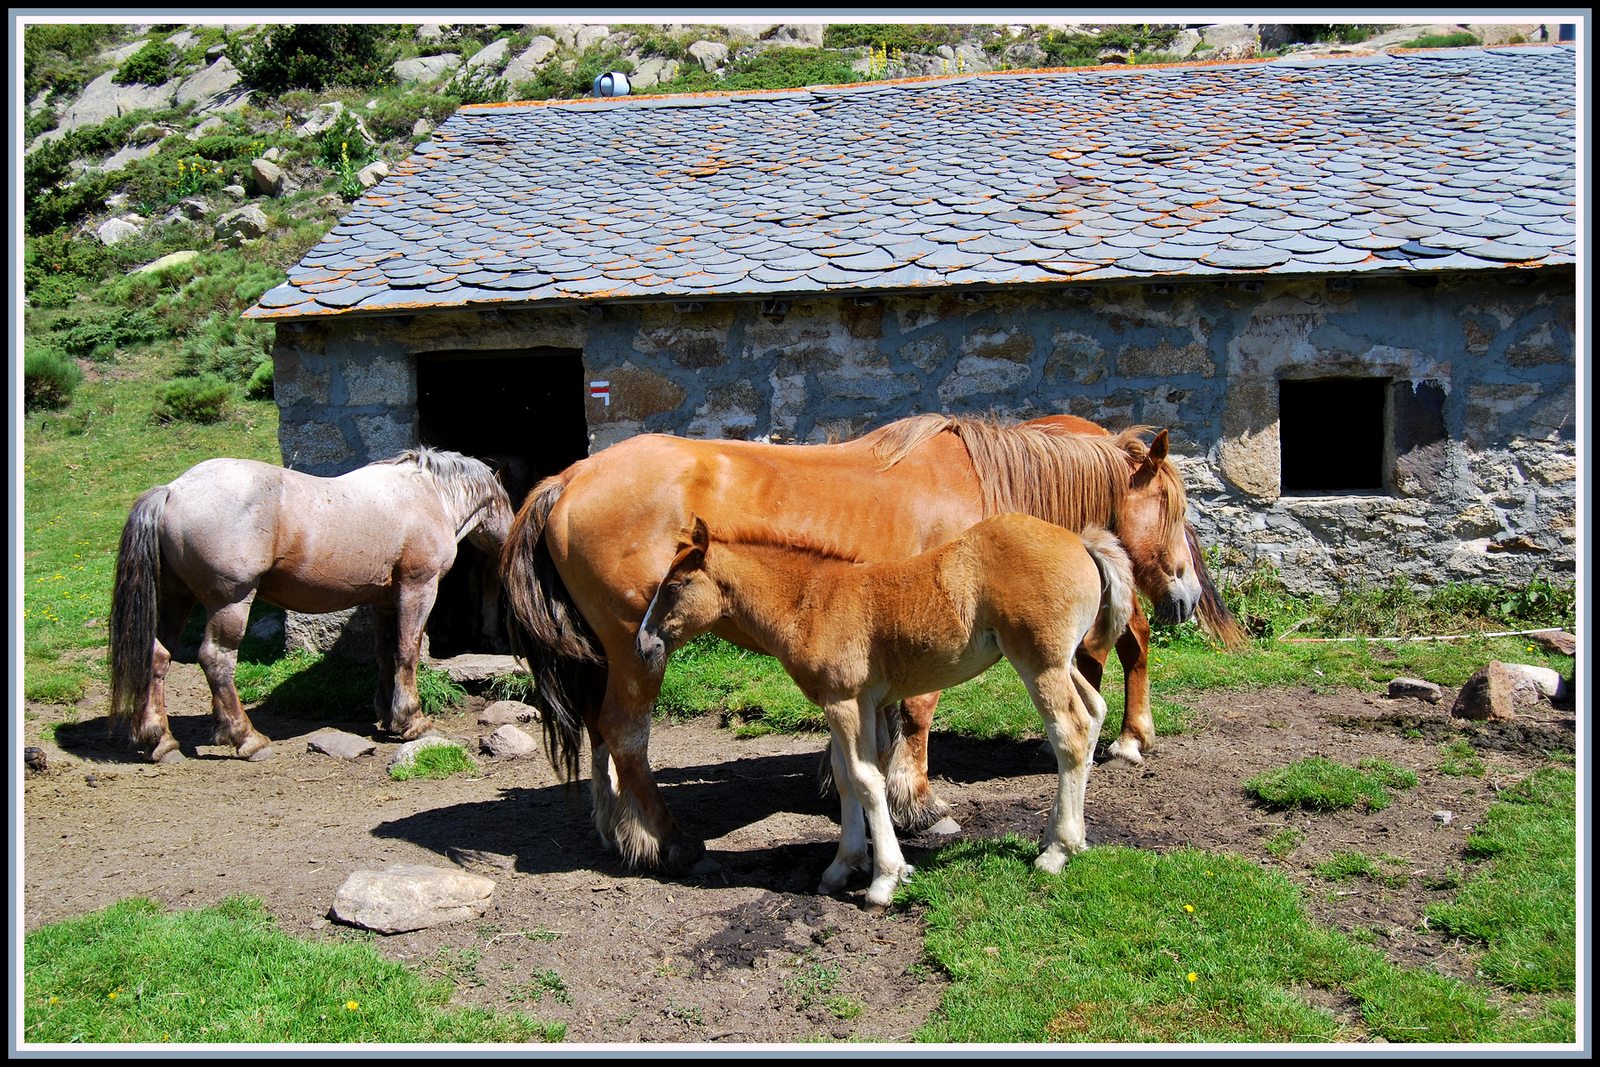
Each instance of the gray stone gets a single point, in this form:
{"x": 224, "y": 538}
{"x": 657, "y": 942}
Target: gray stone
{"x": 242, "y": 224}
{"x": 103, "y": 99}
{"x": 589, "y": 36}
{"x": 212, "y": 89}
{"x": 652, "y": 72}
{"x": 127, "y": 154}
{"x": 796, "y": 34}
{"x": 1444, "y": 818}
{"x": 409, "y": 896}
{"x": 529, "y": 60}
{"x": 1558, "y": 641}
{"x": 406, "y": 754}
{"x": 426, "y": 69}
{"x": 477, "y": 667}
{"x": 372, "y": 173}
{"x": 506, "y": 713}
{"x": 709, "y": 54}
{"x": 508, "y": 742}
{"x": 1230, "y": 41}
{"x": 338, "y": 743}
{"x": 1416, "y": 689}
{"x": 113, "y": 230}
{"x": 492, "y": 56}
{"x": 421, "y": 128}
{"x": 268, "y": 178}
{"x": 430, "y": 31}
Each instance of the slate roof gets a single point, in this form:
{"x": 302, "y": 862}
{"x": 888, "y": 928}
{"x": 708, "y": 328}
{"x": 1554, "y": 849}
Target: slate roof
{"x": 1451, "y": 159}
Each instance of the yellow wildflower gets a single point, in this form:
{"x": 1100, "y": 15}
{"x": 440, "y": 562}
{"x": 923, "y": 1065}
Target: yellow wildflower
{"x": 1189, "y": 908}
{"x": 351, "y": 1005}
{"x": 1192, "y": 976}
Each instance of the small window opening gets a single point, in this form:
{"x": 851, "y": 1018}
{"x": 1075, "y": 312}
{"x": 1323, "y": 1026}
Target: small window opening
{"x": 1332, "y": 435}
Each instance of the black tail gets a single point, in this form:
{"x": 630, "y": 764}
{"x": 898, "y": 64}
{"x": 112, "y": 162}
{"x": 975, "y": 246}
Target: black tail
{"x": 547, "y": 632}
{"x": 135, "y": 601}
{"x": 1211, "y": 613}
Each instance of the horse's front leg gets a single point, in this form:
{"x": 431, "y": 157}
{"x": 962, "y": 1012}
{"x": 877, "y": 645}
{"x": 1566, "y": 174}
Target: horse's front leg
{"x": 219, "y": 655}
{"x": 638, "y": 821}
{"x": 1138, "y": 727}
{"x": 1072, "y": 710}
{"x": 414, "y": 603}
{"x": 855, "y": 736}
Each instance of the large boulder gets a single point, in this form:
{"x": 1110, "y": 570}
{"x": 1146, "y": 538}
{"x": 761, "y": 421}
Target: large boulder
{"x": 409, "y": 896}
{"x": 530, "y": 59}
{"x": 426, "y": 69}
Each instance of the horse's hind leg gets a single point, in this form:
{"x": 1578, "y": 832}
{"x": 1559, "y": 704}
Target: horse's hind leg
{"x": 385, "y": 639}
{"x": 151, "y": 730}
{"x": 638, "y": 822}
{"x": 1138, "y": 727}
{"x": 219, "y": 655}
{"x": 1072, "y": 711}
{"x": 912, "y": 801}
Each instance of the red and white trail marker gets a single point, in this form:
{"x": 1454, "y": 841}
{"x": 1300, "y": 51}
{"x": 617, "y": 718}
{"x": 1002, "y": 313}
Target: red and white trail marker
{"x": 601, "y": 391}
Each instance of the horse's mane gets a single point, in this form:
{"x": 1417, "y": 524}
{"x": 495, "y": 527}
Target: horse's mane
{"x": 467, "y": 482}
{"x": 1067, "y": 478}
{"x": 757, "y": 537}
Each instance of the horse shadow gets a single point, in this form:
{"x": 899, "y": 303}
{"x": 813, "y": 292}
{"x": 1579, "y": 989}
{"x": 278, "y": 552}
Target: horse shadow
{"x": 548, "y": 829}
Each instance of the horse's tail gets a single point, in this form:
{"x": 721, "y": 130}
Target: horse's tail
{"x": 1211, "y": 613}
{"x": 1116, "y": 587}
{"x": 546, "y": 630}
{"x": 135, "y": 606}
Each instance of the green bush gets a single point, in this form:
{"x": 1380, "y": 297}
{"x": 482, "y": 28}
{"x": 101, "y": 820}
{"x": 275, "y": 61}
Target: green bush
{"x": 259, "y": 387}
{"x": 150, "y": 65}
{"x": 477, "y": 85}
{"x": 57, "y": 56}
{"x": 203, "y": 398}
{"x": 98, "y": 336}
{"x": 226, "y": 346}
{"x": 315, "y": 57}
{"x": 907, "y": 37}
{"x": 49, "y": 378}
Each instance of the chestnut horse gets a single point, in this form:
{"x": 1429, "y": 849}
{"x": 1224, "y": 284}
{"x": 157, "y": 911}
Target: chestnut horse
{"x": 227, "y": 529}
{"x": 856, "y": 637}
{"x": 589, "y": 544}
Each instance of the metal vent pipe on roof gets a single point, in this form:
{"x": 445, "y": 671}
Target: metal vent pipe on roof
{"x": 611, "y": 83}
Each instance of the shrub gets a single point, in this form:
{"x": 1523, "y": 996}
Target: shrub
{"x": 477, "y": 85}
{"x": 259, "y": 387}
{"x": 203, "y": 398}
{"x": 56, "y": 57}
{"x": 226, "y": 346}
{"x": 97, "y": 337}
{"x": 49, "y": 378}
{"x": 314, "y": 57}
{"x": 150, "y": 65}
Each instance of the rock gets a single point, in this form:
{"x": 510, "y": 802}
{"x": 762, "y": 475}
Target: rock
{"x": 1444, "y": 818}
{"x": 242, "y": 224}
{"x": 530, "y": 59}
{"x": 652, "y": 72}
{"x": 506, "y": 712}
{"x": 235, "y": 190}
{"x": 372, "y": 173}
{"x": 192, "y": 207}
{"x": 430, "y": 31}
{"x": 797, "y": 35}
{"x": 103, "y": 99}
{"x": 267, "y": 177}
{"x": 492, "y": 56}
{"x": 426, "y": 69}
{"x": 174, "y": 259}
{"x": 35, "y": 759}
{"x": 1487, "y": 695}
{"x": 709, "y": 54}
{"x": 1416, "y": 689}
{"x": 1531, "y": 684}
{"x": 339, "y": 743}
{"x": 589, "y": 36}
{"x": 1558, "y": 641}
{"x": 1230, "y": 41}
{"x": 508, "y": 742}
{"x": 213, "y": 89}
{"x": 113, "y": 230}
{"x": 127, "y": 154}
{"x": 406, "y": 754}
{"x": 410, "y": 896}
{"x": 476, "y": 667}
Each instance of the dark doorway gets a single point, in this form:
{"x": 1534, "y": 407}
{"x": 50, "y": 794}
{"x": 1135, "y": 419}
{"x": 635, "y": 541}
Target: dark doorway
{"x": 1331, "y": 435}
{"x": 521, "y": 412}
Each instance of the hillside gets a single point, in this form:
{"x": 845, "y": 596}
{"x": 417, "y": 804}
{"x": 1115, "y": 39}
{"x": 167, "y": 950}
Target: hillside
{"x": 173, "y": 173}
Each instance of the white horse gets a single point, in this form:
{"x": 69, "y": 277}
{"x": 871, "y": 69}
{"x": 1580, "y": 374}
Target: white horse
{"x": 227, "y": 529}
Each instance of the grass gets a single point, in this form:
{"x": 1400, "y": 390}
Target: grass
{"x": 1319, "y": 784}
{"x": 1131, "y": 946}
{"x": 225, "y": 974}
{"x": 1343, "y": 866}
{"x": 435, "y": 761}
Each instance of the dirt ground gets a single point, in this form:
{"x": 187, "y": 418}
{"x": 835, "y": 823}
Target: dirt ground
{"x": 735, "y": 956}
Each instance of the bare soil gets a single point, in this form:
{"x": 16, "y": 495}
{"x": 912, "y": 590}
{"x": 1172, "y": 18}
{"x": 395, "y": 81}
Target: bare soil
{"x": 739, "y": 955}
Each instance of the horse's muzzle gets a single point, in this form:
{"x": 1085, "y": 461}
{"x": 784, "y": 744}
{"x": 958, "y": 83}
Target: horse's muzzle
{"x": 651, "y": 649}
{"x": 1172, "y": 610}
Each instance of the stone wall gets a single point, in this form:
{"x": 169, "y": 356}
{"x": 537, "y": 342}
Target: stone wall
{"x": 1480, "y": 464}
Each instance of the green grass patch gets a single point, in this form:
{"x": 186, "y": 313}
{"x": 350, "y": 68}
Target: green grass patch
{"x": 435, "y": 761}
{"x": 1284, "y": 842}
{"x": 1130, "y": 946}
{"x": 1442, "y": 40}
{"x": 225, "y": 974}
{"x": 1522, "y": 902}
{"x": 747, "y": 691}
{"x": 1318, "y": 784}
{"x": 1459, "y": 758}
{"x": 1343, "y": 866}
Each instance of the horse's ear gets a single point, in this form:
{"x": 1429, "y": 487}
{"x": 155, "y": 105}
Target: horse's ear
{"x": 701, "y": 537}
{"x": 1158, "y": 448}
{"x": 1153, "y": 457}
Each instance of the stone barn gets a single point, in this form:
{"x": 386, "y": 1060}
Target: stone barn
{"x": 1345, "y": 284}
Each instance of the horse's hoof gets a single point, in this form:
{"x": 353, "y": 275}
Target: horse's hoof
{"x": 681, "y": 856}
{"x": 417, "y": 728}
{"x": 172, "y": 755}
{"x": 944, "y": 827}
{"x": 261, "y": 754}
{"x": 1122, "y": 755}
{"x": 875, "y": 909}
